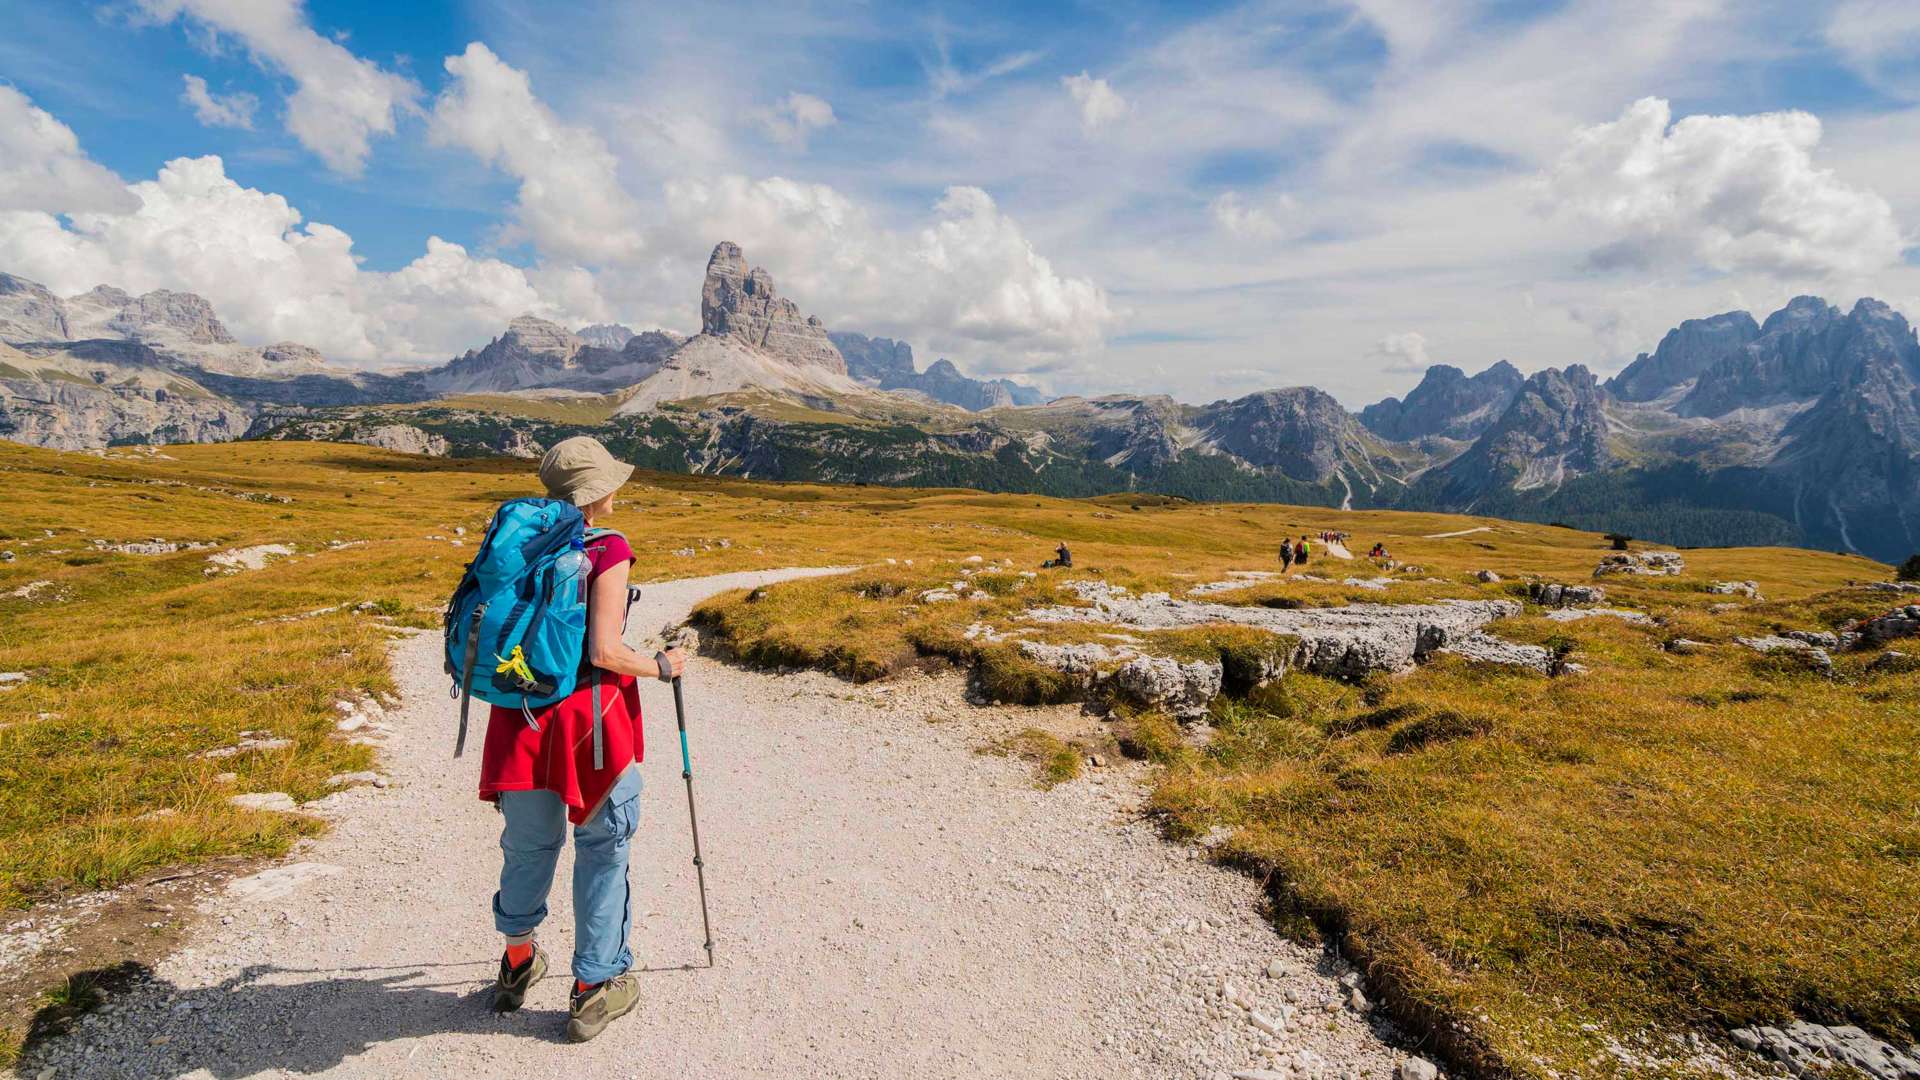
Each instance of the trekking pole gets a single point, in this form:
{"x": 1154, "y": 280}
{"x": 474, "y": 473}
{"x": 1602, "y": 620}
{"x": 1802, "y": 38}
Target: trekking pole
{"x": 686, "y": 773}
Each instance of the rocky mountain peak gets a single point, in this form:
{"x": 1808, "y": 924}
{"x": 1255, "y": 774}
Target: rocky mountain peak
{"x": 29, "y": 312}
{"x": 1555, "y": 429}
{"x": 606, "y": 335}
{"x": 1447, "y": 403}
{"x": 739, "y": 301}
{"x": 538, "y": 337}
{"x": 1688, "y": 351}
{"x": 1802, "y": 313}
{"x": 1301, "y": 430}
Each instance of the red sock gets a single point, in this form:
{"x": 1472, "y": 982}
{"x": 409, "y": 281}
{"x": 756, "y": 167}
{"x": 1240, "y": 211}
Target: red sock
{"x": 581, "y": 988}
{"x": 519, "y": 954}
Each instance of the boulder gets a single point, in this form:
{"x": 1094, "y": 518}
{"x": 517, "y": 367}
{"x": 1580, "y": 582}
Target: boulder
{"x": 1183, "y": 689}
{"x": 1488, "y": 576}
{"x": 1748, "y": 589}
{"x": 1555, "y": 595}
{"x": 1644, "y": 563}
{"x": 1904, "y": 622}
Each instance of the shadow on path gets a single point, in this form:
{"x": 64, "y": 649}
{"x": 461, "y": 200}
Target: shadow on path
{"x": 268, "y": 1018}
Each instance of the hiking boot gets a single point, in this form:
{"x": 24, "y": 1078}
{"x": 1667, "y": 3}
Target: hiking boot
{"x": 592, "y": 1009}
{"x": 510, "y": 989}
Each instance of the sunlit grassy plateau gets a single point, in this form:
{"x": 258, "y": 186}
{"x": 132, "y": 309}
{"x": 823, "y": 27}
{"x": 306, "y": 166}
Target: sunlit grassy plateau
{"x": 1532, "y": 868}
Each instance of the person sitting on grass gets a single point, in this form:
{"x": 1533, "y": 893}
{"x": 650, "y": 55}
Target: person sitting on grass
{"x": 539, "y": 772}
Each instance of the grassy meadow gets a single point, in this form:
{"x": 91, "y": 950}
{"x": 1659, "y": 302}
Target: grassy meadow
{"x": 1538, "y": 871}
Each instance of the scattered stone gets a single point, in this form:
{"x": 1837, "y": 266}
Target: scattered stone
{"x": 1341, "y": 641}
{"x": 1645, "y": 563}
{"x": 12, "y": 680}
{"x": 265, "y": 800}
{"x": 1488, "y": 576}
{"x": 1357, "y": 1001}
{"x": 1685, "y": 646}
{"x": 1772, "y": 643}
{"x": 1418, "y": 1069}
{"x": 1808, "y": 1049}
{"x": 1892, "y": 662}
{"x": 1276, "y": 969}
{"x": 1236, "y": 579}
{"x": 1748, "y": 589}
{"x": 1086, "y": 664}
{"x": 1555, "y": 595}
{"x": 1575, "y": 614}
{"x": 1894, "y": 586}
{"x": 1904, "y": 622}
{"x": 277, "y": 881}
{"x": 363, "y": 777}
{"x": 250, "y": 742}
{"x": 31, "y": 590}
{"x": 247, "y": 558}
{"x": 1183, "y": 689}
{"x": 6, "y": 556}
{"x": 1378, "y": 584}
{"x": 225, "y": 777}
{"x": 1266, "y": 1023}
{"x": 151, "y": 546}
{"x": 1817, "y": 638}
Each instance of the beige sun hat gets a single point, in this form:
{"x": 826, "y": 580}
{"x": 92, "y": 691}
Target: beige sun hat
{"x": 581, "y": 471}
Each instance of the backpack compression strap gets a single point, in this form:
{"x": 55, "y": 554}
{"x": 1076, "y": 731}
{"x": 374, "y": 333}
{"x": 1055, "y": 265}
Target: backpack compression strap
{"x": 466, "y": 678}
{"x": 599, "y": 721}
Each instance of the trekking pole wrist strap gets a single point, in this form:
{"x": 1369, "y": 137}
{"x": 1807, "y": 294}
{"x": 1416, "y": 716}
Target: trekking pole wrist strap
{"x": 665, "y": 665}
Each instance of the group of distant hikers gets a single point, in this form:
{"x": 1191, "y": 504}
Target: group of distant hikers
{"x": 1296, "y": 552}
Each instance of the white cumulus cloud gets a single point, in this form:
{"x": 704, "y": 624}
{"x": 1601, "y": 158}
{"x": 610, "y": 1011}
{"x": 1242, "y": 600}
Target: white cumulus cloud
{"x": 571, "y": 204}
{"x": 1403, "y": 353}
{"x": 42, "y": 166}
{"x": 218, "y": 110}
{"x": 273, "y": 276}
{"x": 1729, "y": 193}
{"x": 1100, "y": 104}
{"x": 340, "y": 101}
{"x": 967, "y": 281}
{"x": 793, "y": 118}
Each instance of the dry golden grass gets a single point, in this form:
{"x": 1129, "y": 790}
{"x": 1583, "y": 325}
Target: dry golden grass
{"x": 1538, "y": 868}
{"x": 1536, "y": 865}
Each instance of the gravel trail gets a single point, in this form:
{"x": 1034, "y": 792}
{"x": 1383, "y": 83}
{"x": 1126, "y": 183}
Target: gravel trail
{"x": 888, "y": 902}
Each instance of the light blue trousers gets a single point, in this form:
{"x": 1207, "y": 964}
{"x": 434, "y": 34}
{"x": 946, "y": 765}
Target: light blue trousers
{"x": 534, "y": 831}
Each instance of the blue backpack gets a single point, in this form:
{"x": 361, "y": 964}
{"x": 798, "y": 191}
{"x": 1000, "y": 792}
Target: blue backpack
{"x": 516, "y": 627}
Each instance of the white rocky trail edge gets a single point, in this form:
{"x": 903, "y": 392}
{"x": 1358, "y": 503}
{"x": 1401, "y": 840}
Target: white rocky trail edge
{"x": 887, "y": 902}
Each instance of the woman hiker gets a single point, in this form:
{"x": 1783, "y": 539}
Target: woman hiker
{"x": 1286, "y": 556}
{"x": 541, "y": 778}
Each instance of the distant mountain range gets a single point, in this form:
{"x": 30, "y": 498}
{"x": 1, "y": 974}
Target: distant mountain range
{"x": 1800, "y": 429}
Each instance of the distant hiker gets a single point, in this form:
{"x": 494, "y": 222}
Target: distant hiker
{"x": 1300, "y": 552}
{"x": 544, "y": 767}
{"x": 1286, "y": 556}
{"x": 1061, "y": 557}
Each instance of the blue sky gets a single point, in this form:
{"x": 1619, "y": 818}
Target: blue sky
{"x": 1199, "y": 199}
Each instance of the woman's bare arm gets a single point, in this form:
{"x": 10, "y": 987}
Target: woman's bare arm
{"x": 606, "y": 621}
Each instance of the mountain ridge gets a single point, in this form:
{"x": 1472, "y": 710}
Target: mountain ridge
{"x": 1803, "y": 427}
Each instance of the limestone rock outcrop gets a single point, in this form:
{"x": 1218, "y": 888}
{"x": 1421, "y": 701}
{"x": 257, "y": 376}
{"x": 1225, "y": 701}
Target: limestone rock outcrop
{"x": 739, "y": 301}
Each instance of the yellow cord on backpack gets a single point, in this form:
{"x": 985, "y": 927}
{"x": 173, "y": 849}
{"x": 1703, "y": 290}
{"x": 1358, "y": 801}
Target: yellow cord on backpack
{"x": 515, "y": 664}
